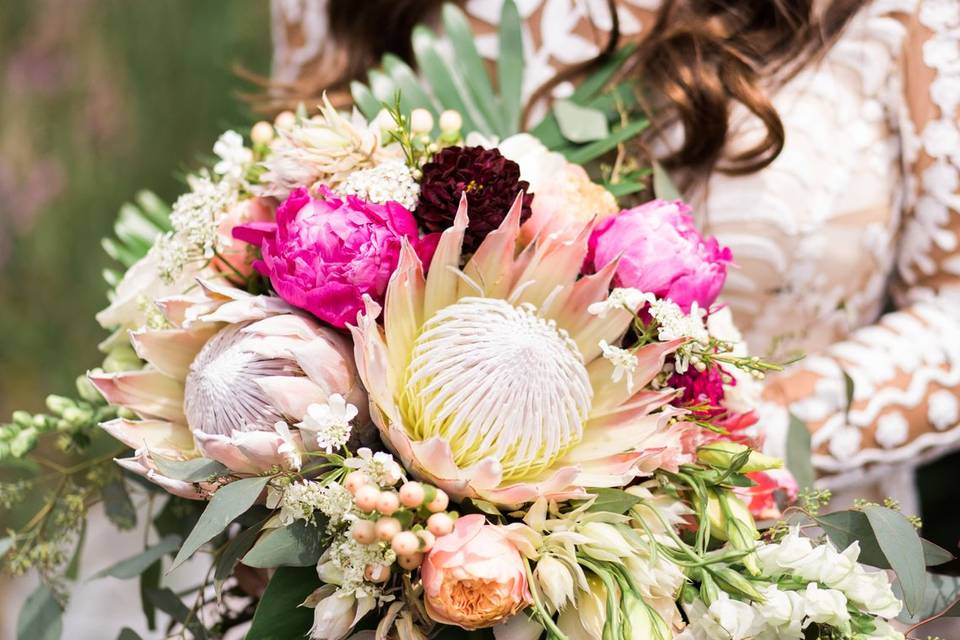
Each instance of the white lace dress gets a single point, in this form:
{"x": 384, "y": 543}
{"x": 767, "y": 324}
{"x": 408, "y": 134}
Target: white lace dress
{"x": 846, "y": 246}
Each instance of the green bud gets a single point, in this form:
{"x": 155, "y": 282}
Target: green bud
{"x": 87, "y": 391}
{"x": 122, "y": 358}
{"x": 23, "y": 419}
{"x": 709, "y": 592}
{"x": 740, "y": 527}
{"x": 724, "y": 454}
{"x": 24, "y": 442}
{"x": 123, "y": 412}
{"x": 734, "y": 582}
{"x": 59, "y": 404}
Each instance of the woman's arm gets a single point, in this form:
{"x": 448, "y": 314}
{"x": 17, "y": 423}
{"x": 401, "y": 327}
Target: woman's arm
{"x": 906, "y": 368}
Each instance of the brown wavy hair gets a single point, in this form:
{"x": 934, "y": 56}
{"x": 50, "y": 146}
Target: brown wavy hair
{"x": 698, "y": 59}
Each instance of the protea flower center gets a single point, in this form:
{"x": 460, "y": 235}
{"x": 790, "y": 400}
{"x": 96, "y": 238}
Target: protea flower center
{"x": 495, "y": 380}
{"x": 221, "y": 392}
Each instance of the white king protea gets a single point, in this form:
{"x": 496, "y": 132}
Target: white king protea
{"x": 230, "y": 380}
{"x": 490, "y": 381}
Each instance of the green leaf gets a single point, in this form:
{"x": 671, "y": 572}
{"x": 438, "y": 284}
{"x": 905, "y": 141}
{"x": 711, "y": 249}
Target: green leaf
{"x": 848, "y": 389}
{"x": 128, "y": 634}
{"x": 155, "y": 209}
{"x": 41, "y": 617}
{"x": 901, "y": 545}
{"x": 227, "y": 503}
{"x": 624, "y": 188}
{"x": 196, "y": 470}
{"x": 612, "y": 501}
{"x": 279, "y": 616}
{"x": 940, "y": 597}
{"x": 118, "y": 252}
{"x": 663, "y": 186}
{"x": 364, "y": 100}
{"x": 846, "y": 527}
{"x": 73, "y": 569}
{"x": 592, "y": 151}
{"x": 118, "y": 505}
{"x": 580, "y": 124}
{"x": 798, "y": 455}
{"x": 168, "y": 602}
{"x": 510, "y": 67}
{"x": 149, "y": 581}
{"x": 383, "y": 88}
{"x": 135, "y": 565}
{"x": 445, "y": 82}
{"x": 297, "y": 545}
{"x": 473, "y": 70}
{"x": 234, "y": 550}
{"x": 412, "y": 94}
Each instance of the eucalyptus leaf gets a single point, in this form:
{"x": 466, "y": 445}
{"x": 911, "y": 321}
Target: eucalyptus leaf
{"x": 234, "y": 550}
{"x": 901, "y": 545}
{"x": 279, "y": 615}
{"x": 227, "y": 503}
{"x": 196, "y": 470}
{"x": 150, "y": 580}
{"x": 168, "y": 602}
{"x": 580, "y": 124}
{"x": 846, "y": 527}
{"x": 296, "y": 545}
{"x": 941, "y": 596}
{"x": 118, "y": 505}
{"x": 135, "y": 565}
{"x": 73, "y": 569}
{"x": 41, "y": 617}
{"x": 128, "y": 634}
{"x": 612, "y": 501}
{"x": 799, "y": 451}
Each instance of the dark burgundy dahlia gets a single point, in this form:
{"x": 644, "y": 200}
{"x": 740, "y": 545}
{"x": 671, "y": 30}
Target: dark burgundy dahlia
{"x": 490, "y": 181}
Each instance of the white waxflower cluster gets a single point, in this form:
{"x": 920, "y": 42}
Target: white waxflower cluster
{"x": 836, "y": 582}
{"x": 235, "y": 158}
{"x": 299, "y": 501}
{"x": 336, "y": 503}
{"x": 346, "y": 561}
{"x": 380, "y": 467}
{"x": 624, "y": 363}
{"x": 621, "y": 298}
{"x": 673, "y": 323}
{"x": 328, "y": 424}
{"x": 195, "y": 218}
{"x": 388, "y": 181}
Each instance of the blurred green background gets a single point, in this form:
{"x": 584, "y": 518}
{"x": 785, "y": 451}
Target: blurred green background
{"x": 99, "y": 99}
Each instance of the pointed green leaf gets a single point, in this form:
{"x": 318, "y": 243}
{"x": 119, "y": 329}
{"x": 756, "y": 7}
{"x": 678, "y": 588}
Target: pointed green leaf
{"x": 901, "y": 546}
{"x": 624, "y": 188}
{"x": 279, "y": 615}
{"x": 592, "y": 151}
{"x": 596, "y": 81}
{"x": 155, "y": 209}
{"x": 412, "y": 94}
{"x": 41, "y": 617}
{"x": 612, "y": 501}
{"x": 118, "y": 505}
{"x": 580, "y": 124}
{"x": 235, "y": 550}
{"x": 510, "y": 66}
{"x": 118, "y": 252}
{"x": 297, "y": 545}
{"x": 196, "y": 470}
{"x": 382, "y": 87}
{"x": 473, "y": 70}
{"x": 128, "y": 634}
{"x": 367, "y": 103}
{"x": 135, "y": 565}
{"x": 73, "y": 569}
{"x": 227, "y": 503}
{"x": 798, "y": 455}
{"x": 941, "y": 596}
{"x": 168, "y": 602}
{"x": 846, "y": 527}
{"x": 663, "y": 186}
{"x": 149, "y": 581}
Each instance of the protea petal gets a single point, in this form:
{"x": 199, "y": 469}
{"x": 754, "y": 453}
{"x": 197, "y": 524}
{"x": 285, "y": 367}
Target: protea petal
{"x": 442, "y": 283}
{"x": 404, "y": 308}
{"x": 492, "y": 265}
{"x": 148, "y": 392}
{"x": 555, "y": 260}
{"x": 171, "y": 350}
{"x": 291, "y": 395}
{"x": 165, "y": 439}
{"x": 574, "y": 316}
{"x": 224, "y": 450}
{"x": 609, "y": 394}
{"x": 143, "y": 468}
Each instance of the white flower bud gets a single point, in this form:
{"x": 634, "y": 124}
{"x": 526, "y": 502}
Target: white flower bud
{"x": 421, "y": 121}
{"x": 556, "y": 582}
{"x": 285, "y": 120}
{"x": 261, "y": 133}
{"x": 450, "y": 121}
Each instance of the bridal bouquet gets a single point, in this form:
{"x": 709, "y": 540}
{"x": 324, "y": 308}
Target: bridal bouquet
{"x": 424, "y": 379}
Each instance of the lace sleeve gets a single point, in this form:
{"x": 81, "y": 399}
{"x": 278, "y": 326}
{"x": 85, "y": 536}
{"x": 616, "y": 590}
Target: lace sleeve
{"x": 905, "y": 368}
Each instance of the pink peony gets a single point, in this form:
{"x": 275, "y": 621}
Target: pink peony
{"x": 661, "y": 253}
{"x": 323, "y": 254}
{"x": 474, "y": 577}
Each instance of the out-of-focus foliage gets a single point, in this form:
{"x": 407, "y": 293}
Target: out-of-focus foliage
{"x": 99, "y": 99}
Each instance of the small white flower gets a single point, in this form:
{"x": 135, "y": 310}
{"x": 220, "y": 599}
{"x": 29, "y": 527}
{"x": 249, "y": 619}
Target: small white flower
{"x": 783, "y": 611}
{"x": 871, "y": 591}
{"x": 624, "y": 363}
{"x": 379, "y": 467}
{"x": 234, "y": 157}
{"x": 825, "y": 606}
{"x": 289, "y": 449}
{"x": 329, "y": 423}
{"x": 621, "y": 298}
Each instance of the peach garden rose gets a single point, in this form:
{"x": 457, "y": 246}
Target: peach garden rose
{"x": 474, "y": 577}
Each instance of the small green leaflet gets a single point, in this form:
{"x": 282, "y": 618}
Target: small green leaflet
{"x": 612, "y": 501}
{"x": 227, "y": 503}
{"x": 297, "y": 545}
{"x": 580, "y": 124}
{"x": 135, "y": 565}
{"x": 195, "y": 470}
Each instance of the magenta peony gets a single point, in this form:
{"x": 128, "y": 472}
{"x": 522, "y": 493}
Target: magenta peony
{"x": 323, "y": 254}
{"x": 661, "y": 253}
{"x": 474, "y": 577}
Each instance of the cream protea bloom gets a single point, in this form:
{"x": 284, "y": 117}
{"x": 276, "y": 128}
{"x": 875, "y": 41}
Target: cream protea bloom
{"x": 490, "y": 381}
{"x": 226, "y": 382}
{"x": 325, "y": 148}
